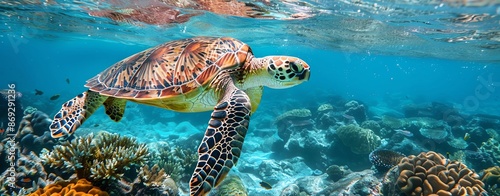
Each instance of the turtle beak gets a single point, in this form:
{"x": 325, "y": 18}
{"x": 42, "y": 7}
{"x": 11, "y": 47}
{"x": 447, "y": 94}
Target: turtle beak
{"x": 304, "y": 75}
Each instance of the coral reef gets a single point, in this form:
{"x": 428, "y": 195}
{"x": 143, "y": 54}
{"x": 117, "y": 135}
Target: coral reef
{"x": 356, "y": 110}
{"x": 291, "y": 120}
{"x": 491, "y": 179}
{"x": 431, "y": 173}
{"x": 372, "y": 125}
{"x": 100, "y": 159}
{"x": 492, "y": 147}
{"x": 149, "y": 181}
{"x": 232, "y": 185}
{"x": 384, "y": 160}
{"x": 175, "y": 161}
{"x": 76, "y": 187}
{"x": 336, "y": 172}
{"x": 356, "y": 183}
{"x": 359, "y": 140}
{"x": 34, "y": 133}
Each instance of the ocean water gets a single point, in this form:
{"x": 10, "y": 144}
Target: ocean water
{"x": 386, "y": 55}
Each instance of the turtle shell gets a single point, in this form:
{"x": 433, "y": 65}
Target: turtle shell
{"x": 170, "y": 69}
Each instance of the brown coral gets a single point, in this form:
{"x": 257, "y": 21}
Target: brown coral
{"x": 432, "y": 174}
{"x": 81, "y": 187}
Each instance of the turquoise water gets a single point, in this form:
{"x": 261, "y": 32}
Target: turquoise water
{"x": 384, "y": 54}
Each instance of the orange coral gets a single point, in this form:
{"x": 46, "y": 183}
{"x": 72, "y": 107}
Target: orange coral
{"x": 81, "y": 187}
{"x": 432, "y": 174}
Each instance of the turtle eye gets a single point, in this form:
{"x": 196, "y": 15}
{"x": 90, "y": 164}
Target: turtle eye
{"x": 294, "y": 67}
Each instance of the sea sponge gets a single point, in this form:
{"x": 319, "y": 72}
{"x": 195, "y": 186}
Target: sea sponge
{"x": 359, "y": 140}
{"x": 81, "y": 187}
{"x": 98, "y": 159}
{"x": 431, "y": 174}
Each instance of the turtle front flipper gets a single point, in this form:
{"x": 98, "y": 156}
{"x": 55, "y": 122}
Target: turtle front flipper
{"x": 74, "y": 112}
{"x": 220, "y": 149}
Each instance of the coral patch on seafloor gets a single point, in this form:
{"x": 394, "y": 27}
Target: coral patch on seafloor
{"x": 431, "y": 173}
{"x": 80, "y": 187}
{"x": 359, "y": 140}
{"x": 34, "y": 133}
{"x": 100, "y": 159}
{"x": 232, "y": 185}
{"x": 492, "y": 147}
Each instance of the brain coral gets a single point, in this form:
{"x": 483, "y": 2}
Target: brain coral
{"x": 431, "y": 174}
{"x": 361, "y": 141}
{"x": 80, "y": 187}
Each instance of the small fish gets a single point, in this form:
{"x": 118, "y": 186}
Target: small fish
{"x": 54, "y": 97}
{"x": 38, "y": 92}
{"x": 466, "y": 136}
{"x": 67, "y": 80}
{"x": 448, "y": 155}
{"x": 404, "y": 132}
{"x": 96, "y": 125}
{"x": 265, "y": 185}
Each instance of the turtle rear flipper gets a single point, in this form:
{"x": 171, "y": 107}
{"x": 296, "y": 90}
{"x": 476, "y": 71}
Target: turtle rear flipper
{"x": 74, "y": 112}
{"x": 115, "y": 108}
{"x": 220, "y": 148}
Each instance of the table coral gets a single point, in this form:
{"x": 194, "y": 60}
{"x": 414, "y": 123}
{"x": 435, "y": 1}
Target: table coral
{"x": 100, "y": 159}
{"x": 80, "y": 187}
{"x": 430, "y": 173}
{"x": 359, "y": 140}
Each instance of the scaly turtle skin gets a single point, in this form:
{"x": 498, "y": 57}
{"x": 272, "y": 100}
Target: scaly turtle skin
{"x": 190, "y": 75}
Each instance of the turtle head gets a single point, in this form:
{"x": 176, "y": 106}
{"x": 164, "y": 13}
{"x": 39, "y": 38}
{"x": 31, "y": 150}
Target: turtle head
{"x": 285, "y": 71}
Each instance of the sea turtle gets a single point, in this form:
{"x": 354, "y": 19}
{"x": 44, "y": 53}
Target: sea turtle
{"x": 190, "y": 75}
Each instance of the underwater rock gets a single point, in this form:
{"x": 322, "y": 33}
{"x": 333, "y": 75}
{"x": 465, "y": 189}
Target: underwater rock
{"x": 76, "y": 187}
{"x": 372, "y": 125}
{"x": 272, "y": 171}
{"x": 383, "y": 160}
{"x": 336, "y": 172}
{"x": 435, "y": 110}
{"x": 359, "y": 140}
{"x": 356, "y": 110}
{"x": 356, "y": 183}
{"x": 295, "y": 119}
{"x": 310, "y": 144}
{"x": 485, "y": 121}
{"x": 312, "y": 185}
{"x": 431, "y": 173}
{"x": 232, "y": 185}
{"x": 291, "y": 190}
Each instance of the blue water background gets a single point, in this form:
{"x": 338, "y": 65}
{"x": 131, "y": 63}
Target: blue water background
{"x": 373, "y": 79}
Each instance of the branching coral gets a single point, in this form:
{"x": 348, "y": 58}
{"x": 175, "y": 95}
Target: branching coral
{"x": 175, "y": 161}
{"x": 149, "y": 181}
{"x": 431, "y": 174}
{"x": 104, "y": 157}
{"x": 359, "y": 140}
{"x": 80, "y": 187}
